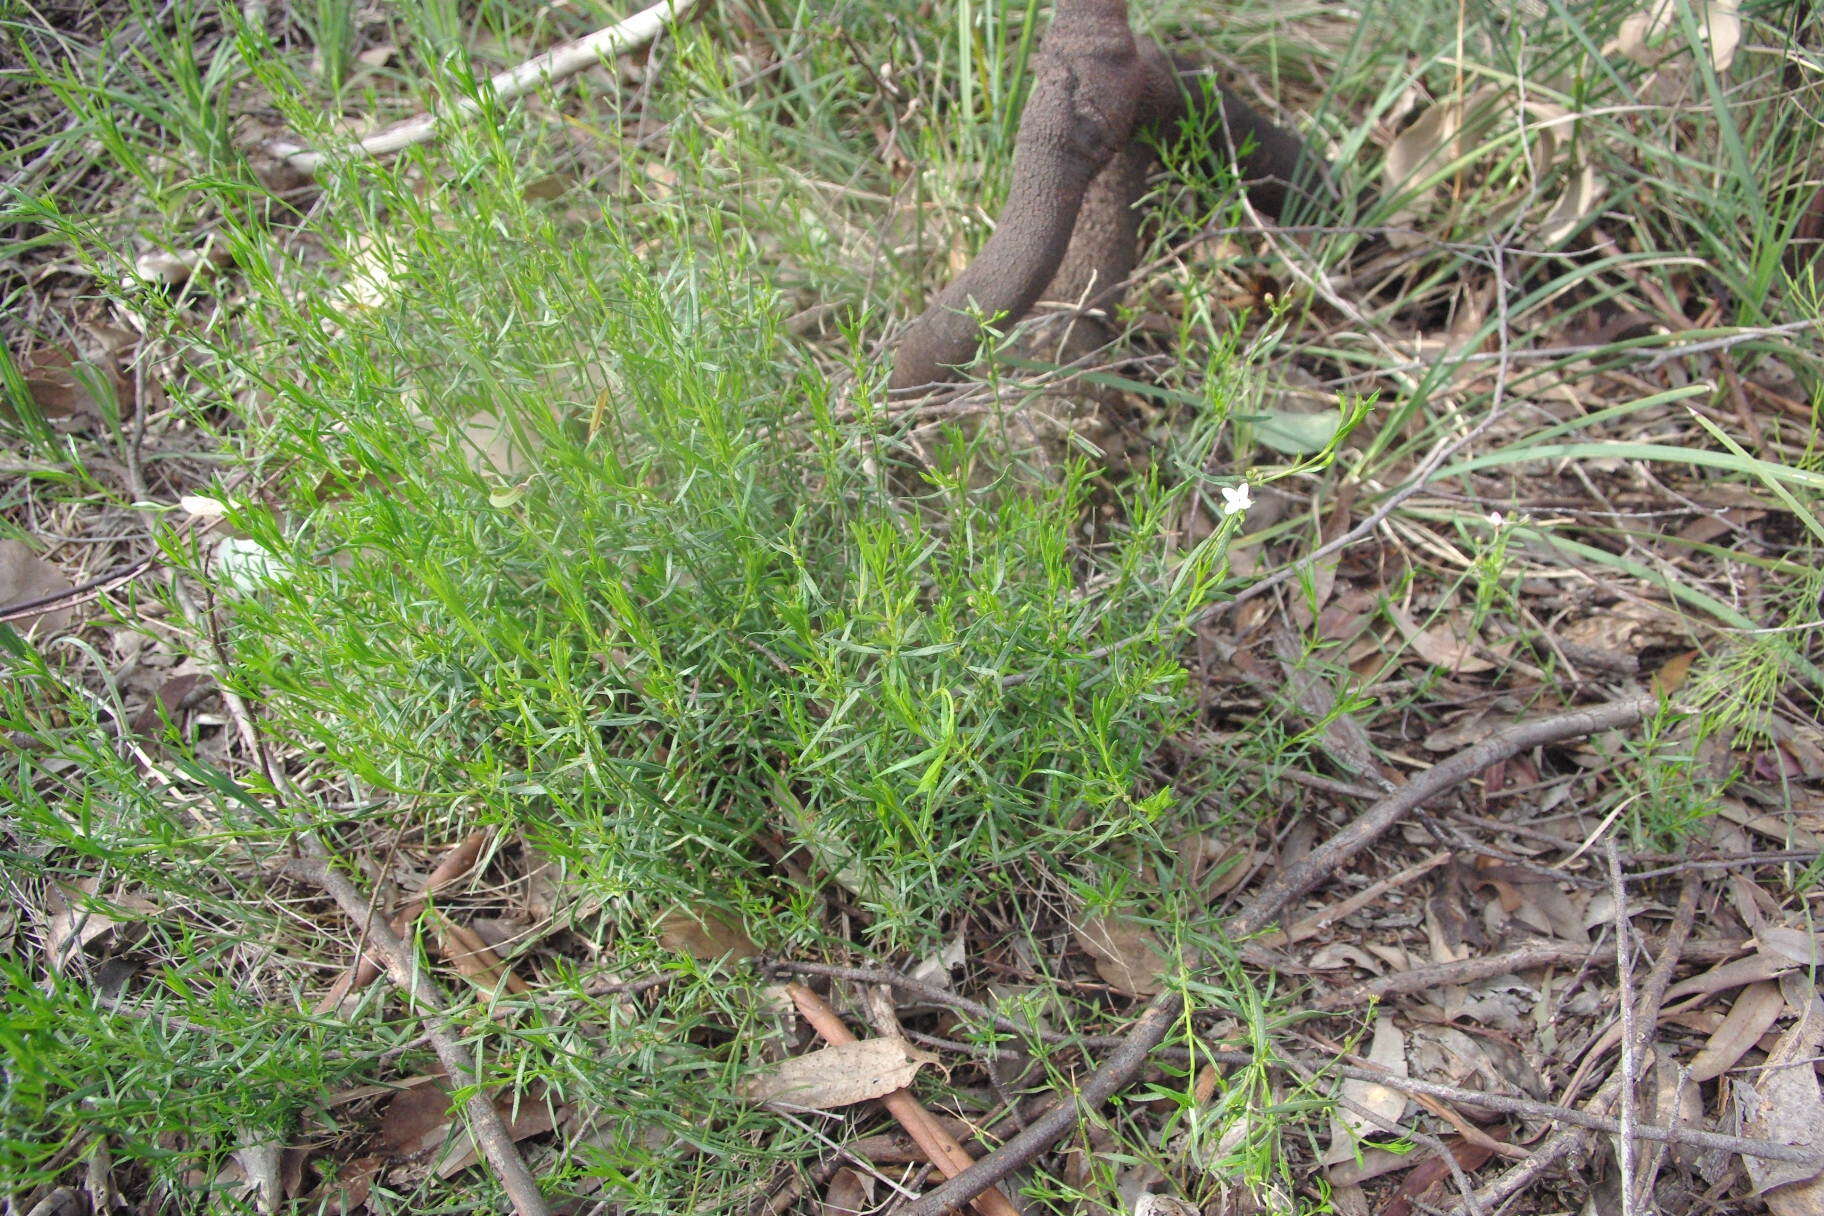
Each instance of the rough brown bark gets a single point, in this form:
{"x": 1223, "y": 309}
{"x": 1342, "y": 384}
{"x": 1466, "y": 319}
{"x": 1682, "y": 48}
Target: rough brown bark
{"x": 1069, "y": 230}
{"x": 1085, "y": 96}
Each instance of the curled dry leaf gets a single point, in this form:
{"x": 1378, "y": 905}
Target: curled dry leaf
{"x": 704, "y": 936}
{"x": 839, "y": 1075}
{"x": 24, "y": 576}
{"x": 1127, "y": 955}
{"x": 1442, "y": 644}
{"x": 850, "y": 1193}
{"x": 1458, "y": 133}
{"x": 1677, "y": 1102}
{"x": 62, "y": 386}
{"x": 1653, "y": 34}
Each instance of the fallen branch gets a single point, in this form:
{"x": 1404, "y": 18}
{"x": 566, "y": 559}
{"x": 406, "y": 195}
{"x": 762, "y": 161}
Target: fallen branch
{"x": 1532, "y": 954}
{"x": 938, "y": 1145}
{"x": 1150, "y": 1030}
{"x": 1112, "y": 1075}
{"x": 1330, "y": 857}
{"x": 1361, "y": 1069}
{"x": 491, "y": 1135}
{"x": 1566, "y": 1142}
{"x": 554, "y": 65}
{"x": 454, "y": 864}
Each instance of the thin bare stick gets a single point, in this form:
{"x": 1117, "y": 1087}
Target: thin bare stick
{"x": 1125, "y": 1061}
{"x": 1630, "y": 1063}
{"x": 1115, "y": 1072}
{"x": 491, "y": 1135}
{"x": 553, "y": 65}
{"x": 1567, "y": 1141}
{"x": 1355, "y": 1068}
{"x": 454, "y": 864}
{"x": 938, "y": 1145}
{"x": 1330, "y": 857}
{"x": 1541, "y": 953}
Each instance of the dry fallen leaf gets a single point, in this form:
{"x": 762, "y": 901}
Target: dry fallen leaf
{"x": 1127, "y": 955}
{"x": 1783, "y": 1104}
{"x": 55, "y": 381}
{"x": 1442, "y": 644}
{"x": 839, "y": 1075}
{"x": 1348, "y": 1125}
{"x": 26, "y": 576}
{"x": 76, "y": 922}
{"x": 1751, "y": 1016}
{"x": 1652, "y": 34}
{"x": 704, "y": 936}
{"x": 850, "y": 1193}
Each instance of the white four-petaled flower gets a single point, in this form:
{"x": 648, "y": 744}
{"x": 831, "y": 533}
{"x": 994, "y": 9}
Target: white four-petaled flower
{"x": 1236, "y": 499}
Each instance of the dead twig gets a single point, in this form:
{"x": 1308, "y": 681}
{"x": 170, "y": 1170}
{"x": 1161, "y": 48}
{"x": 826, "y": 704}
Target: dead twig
{"x": 938, "y": 1145}
{"x": 1150, "y": 1030}
{"x": 1540, "y": 953}
{"x": 554, "y": 65}
{"x": 491, "y": 1135}
{"x": 1630, "y": 1047}
{"x": 1110, "y": 1076}
{"x": 1566, "y": 1141}
{"x": 453, "y": 865}
{"x": 1325, "y": 860}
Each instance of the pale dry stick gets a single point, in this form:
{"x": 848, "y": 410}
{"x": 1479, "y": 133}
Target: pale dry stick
{"x": 1394, "y": 1128}
{"x": 453, "y": 865}
{"x": 491, "y": 1135}
{"x": 1323, "y": 918}
{"x": 555, "y": 64}
{"x": 1167, "y": 1008}
{"x": 1630, "y": 1064}
{"x": 318, "y": 865}
{"x": 1539, "y": 953}
{"x": 1299, "y": 878}
{"x": 1361, "y": 1069}
{"x": 937, "y": 1144}
{"x": 1566, "y": 1141}
{"x": 81, "y": 593}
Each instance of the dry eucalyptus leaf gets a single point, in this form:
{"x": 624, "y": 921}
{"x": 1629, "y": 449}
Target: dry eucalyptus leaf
{"x": 52, "y": 381}
{"x": 1574, "y": 206}
{"x": 1789, "y": 943}
{"x": 1348, "y": 1125}
{"x": 76, "y": 923}
{"x": 1442, "y": 644}
{"x": 1737, "y": 974}
{"x": 1752, "y": 1015}
{"x": 529, "y": 1115}
{"x": 1433, "y": 141}
{"x": 417, "y": 1119}
{"x": 1677, "y": 1101}
{"x": 1784, "y": 1104}
{"x": 935, "y": 968}
{"x": 25, "y": 576}
{"x": 1654, "y": 33}
{"x": 839, "y": 1075}
{"x": 1127, "y": 955}
{"x": 850, "y": 1193}
{"x": 704, "y": 936}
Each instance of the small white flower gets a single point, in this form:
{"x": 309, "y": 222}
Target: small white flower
{"x": 1236, "y": 499}
{"x": 1496, "y": 518}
